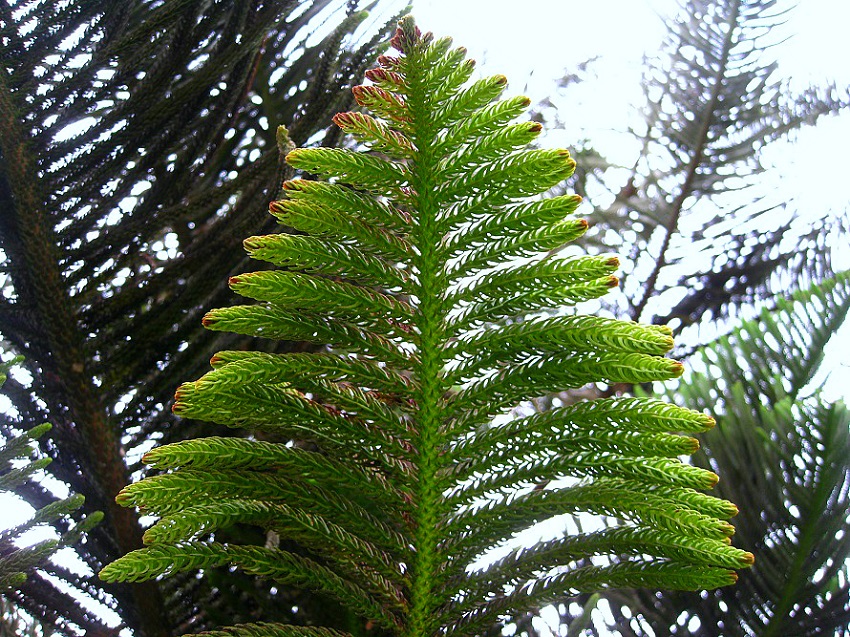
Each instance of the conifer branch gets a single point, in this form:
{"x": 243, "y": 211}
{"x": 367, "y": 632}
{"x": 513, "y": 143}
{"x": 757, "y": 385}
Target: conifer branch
{"x": 432, "y": 278}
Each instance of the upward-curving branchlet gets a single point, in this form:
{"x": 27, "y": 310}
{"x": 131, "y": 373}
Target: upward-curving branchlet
{"x": 435, "y": 283}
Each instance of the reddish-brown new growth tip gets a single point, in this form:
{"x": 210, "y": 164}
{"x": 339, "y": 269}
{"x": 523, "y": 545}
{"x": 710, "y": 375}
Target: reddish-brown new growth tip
{"x": 384, "y": 76}
{"x": 408, "y": 34}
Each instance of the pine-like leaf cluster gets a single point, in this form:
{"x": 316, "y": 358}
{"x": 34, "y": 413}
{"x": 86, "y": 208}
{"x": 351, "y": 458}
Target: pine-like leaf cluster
{"x": 781, "y": 443}
{"x": 20, "y": 558}
{"x": 387, "y": 467}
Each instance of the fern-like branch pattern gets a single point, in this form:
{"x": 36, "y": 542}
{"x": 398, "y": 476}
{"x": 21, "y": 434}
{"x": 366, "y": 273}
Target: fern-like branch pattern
{"x": 435, "y": 283}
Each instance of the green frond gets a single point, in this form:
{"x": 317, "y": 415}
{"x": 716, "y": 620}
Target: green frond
{"x": 510, "y": 343}
{"x": 600, "y": 425}
{"x": 313, "y": 214}
{"x": 312, "y": 255}
{"x": 384, "y": 103}
{"x": 273, "y": 630}
{"x": 470, "y": 617}
{"x": 369, "y": 173}
{"x": 528, "y": 301}
{"x": 221, "y": 454}
{"x": 127, "y": 127}
{"x": 363, "y": 213}
{"x": 548, "y": 274}
{"x": 266, "y": 321}
{"x": 450, "y": 75}
{"x": 286, "y": 411}
{"x": 330, "y": 367}
{"x": 524, "y": 564}
{"x": 361, "y": 560}
{"x": 498, "y": 144}
{"x": 158, "y": 496}
{"x": 375, "y": 134}
{"x": 476, "y": 121}
{"x": 470, "y": 99}
{"x": 489, "y": 522}
{"x": 322, "y": 296}
{"x": 21, "y": 446}
{"x": 22, "y": 474}
{"x": 280, "y": 566}
{"x": 541, "y": 446}
{"x": 521, "y": 244}
{"x": 392, "y": 458}
{"x": 511, "y": 220}
{"x": 531, "y": 172}
{"x": 782, "y": 451}
{"x": 544, "y": 372}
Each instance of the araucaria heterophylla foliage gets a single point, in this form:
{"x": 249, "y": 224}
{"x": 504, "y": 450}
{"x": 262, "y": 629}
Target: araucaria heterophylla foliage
{"x": 426, "y": 269}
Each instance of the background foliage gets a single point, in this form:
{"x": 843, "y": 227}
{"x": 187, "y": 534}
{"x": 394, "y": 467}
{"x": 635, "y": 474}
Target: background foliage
{"x": 137, "y": 152}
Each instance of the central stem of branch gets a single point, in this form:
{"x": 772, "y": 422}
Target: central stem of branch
{"x": 430, "y": 323}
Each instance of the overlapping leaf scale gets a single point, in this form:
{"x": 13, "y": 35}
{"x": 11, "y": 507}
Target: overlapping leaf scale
{"x": 287, "y": 412}
{"x": 492, "y": 225}
{"x": 500, "y": 345}
{"x": 169, "y": 494}
{"x": 317, "y": 256}
{"x": 559, "y": 371}
{"x": 264, "y": 629}
{"x": 281, "y": 566}
{"x": 238, "y": 453}
{"x": 369, "y": 172}
{"x": 331, "y": 367}
{"x": 266, "y": 321}
{"x": 357, "y": 558}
